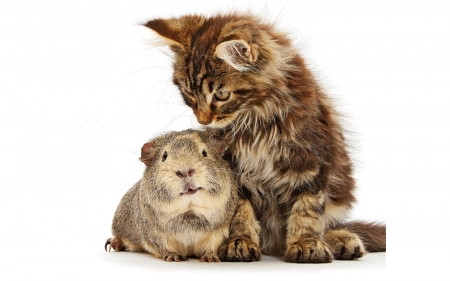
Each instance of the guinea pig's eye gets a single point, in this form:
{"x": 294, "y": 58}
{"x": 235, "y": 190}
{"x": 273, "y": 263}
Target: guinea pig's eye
{"x": 164, "y": 156}
{"x": 204, "y": 153}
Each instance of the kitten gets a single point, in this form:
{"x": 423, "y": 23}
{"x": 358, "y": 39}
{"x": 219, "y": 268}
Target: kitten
{"x": 244, "y": 80}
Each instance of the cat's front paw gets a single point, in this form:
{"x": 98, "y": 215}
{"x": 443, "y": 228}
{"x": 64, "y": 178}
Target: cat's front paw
{"x": 174, "y": 257}
{"x": 308, "y": 250}
{"x": 240, "y": 248}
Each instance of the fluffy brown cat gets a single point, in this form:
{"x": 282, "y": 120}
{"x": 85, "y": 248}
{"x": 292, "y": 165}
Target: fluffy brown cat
{"x": 244, "y": 80}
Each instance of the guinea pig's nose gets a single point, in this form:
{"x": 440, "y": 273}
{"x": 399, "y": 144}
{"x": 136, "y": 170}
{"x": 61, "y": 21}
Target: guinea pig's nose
{"x": 183, "y": 174}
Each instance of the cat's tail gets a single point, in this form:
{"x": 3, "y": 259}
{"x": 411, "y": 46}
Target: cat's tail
{"x": 372, "y": 234}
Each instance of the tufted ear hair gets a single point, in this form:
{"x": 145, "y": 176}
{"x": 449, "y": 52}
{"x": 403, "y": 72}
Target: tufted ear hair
{"x": 168, "y": 30}
{"x": 147, "y": 153}
{"x": 237, "y": 53}
{"x": 176, "y": 32}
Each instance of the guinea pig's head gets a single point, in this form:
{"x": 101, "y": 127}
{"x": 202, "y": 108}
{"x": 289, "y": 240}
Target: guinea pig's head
{"x": 184, "y": 165}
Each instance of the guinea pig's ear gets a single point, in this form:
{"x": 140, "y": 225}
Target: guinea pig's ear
{"x": 147, "y": 152}
{"x": 215, "y": 142}
{"x": 220, "y": 149}
{"x": 217, "y": 146}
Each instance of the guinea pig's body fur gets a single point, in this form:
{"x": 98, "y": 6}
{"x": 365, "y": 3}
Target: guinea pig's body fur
{"x": 184, "y": 203}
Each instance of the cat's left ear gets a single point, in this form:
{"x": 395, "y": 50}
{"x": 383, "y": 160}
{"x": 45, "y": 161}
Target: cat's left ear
{"x": 237, "y": 53}
{"x": 168, "y": 29}
{"x": 176, "y": 32}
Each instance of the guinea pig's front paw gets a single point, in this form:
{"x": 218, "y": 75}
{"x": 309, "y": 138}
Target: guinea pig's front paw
{"x": 174, "y": 257}
{"x": 210, "y": 258}
{"x": 240, "y": 248}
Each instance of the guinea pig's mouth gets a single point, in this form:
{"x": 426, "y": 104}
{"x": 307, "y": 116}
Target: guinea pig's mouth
{"x": 190, "y": 190}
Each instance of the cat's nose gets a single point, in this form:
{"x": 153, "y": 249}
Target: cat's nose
{"x": 204, "y": 122}
{"x": 183, "y": 174}
{"x": 203, "y": 118}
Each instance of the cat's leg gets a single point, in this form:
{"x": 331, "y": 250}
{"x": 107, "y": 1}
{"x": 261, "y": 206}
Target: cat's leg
{"x": 243, "y": 242}
{"x": 305, "y": 230}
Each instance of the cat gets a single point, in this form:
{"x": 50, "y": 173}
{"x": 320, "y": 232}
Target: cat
{"x": 246, "y": 82}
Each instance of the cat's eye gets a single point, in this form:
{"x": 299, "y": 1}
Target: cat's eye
{"x": 164, "y": 156}
{"x": 222, "y": 95}
{"x": 204, "y": 153}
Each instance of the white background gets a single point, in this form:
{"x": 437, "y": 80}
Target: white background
{"x": 81, "y": 91}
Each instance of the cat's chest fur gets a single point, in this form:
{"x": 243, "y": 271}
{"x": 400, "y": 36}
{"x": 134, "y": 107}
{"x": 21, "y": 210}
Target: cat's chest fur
{"x": 263, "y": 161}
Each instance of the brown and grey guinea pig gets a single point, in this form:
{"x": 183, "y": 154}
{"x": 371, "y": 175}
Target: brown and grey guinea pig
{"x": 184, "y": 203}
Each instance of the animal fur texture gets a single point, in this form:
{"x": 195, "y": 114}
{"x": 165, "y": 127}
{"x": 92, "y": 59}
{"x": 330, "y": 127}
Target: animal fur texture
{"x": 184, "y": 204}
{"x": 245, "y": 81}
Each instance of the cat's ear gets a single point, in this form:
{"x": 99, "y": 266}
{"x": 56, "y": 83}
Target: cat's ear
{"x": 168, "y": 29}
{"x": 237, "y": 53}
{"x": 176, "y": 32}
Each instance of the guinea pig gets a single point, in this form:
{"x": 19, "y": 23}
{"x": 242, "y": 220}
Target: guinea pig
{"x": 183, "y": 205}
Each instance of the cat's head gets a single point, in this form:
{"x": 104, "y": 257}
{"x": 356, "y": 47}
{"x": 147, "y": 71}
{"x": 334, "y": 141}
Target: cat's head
{"x": 227, "y": 65}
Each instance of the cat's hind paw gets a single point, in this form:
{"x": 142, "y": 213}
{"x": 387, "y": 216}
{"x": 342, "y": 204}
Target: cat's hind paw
{"x": 344, "y": 244}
